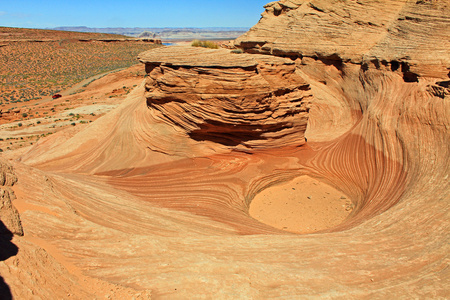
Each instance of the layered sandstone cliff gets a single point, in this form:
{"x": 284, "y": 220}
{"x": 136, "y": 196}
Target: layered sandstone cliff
{"x": 254, "y": 101}
{"x": 389, "y": 32}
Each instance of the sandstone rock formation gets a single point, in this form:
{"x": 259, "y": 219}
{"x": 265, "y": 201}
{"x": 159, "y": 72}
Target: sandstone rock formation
{"x": 255, "y": 101}
{"x": 153, "y": 198}
{"x": 8, "y": 213}
{"x": 413, "y": 34}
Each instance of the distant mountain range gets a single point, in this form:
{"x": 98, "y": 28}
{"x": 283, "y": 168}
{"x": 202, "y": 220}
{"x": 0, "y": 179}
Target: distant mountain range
{"x": 166, "y": 33}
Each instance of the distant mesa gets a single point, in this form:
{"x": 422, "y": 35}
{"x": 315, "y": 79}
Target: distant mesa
{"x": 147, "y": 34}
{"x": 224, "y": 33}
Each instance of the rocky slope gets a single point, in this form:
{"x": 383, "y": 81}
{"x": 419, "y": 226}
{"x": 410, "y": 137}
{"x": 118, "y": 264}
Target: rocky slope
{"x": 153, "y": 199}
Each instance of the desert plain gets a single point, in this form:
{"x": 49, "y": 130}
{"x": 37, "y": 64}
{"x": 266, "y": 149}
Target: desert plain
{"x": 308, "y": 158}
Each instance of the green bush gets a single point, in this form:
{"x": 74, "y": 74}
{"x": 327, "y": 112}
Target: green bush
{"x": 204, "y": 44}
{"x": 237, "y": 51}
{"x": 20, "y": 124}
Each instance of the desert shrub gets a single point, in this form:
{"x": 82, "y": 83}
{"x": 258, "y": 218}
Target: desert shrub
{"x": 20, "y": 124}
{"x": 237, "y": 51}
{"x": 204, "y": 44}
{"x": 73, "y": 124}
{"x": 24, "y": 115}
{"x": 56, "y": 68}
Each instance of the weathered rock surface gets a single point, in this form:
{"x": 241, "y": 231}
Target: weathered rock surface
{"x": 255, "y": 101}
{"x": 385, "y": 32}
{"x": 9, "y": 217}
{"x": 143, "y": 205}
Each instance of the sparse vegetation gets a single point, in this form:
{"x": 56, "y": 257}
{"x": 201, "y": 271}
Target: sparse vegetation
{"x": 237, "y": 51}
{"x": 204, "y": 44}
{"x": 32, "y": 70}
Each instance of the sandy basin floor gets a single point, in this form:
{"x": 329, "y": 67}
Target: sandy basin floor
{"x": 303, "y": 205}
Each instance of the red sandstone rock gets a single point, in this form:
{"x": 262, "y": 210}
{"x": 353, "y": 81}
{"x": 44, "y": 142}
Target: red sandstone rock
{"x": 254, "y": 101}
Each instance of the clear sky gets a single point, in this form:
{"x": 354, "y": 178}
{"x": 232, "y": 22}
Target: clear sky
{"x": 137, "y": 13}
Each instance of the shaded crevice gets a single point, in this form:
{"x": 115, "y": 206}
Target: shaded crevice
{"x": 408, "y": 76}
{"x": 232, "y": 134}
{"x": 7, "y": 250}
{"x": 331, "y": 60}
{"x": 159, "y": 100}
{"x": 394, "y": 65}
{"x": 315, "y": 7}
{"x": 439, "y": 91}
{"x": 445, "y": 84}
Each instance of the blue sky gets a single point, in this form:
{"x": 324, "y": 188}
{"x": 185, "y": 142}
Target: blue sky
{"x": 138, "y": 13}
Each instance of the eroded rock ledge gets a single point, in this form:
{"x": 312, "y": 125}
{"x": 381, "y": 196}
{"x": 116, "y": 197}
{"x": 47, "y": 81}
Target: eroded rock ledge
{"x": 412, "y": 35}
{"x": 250, "y": 101}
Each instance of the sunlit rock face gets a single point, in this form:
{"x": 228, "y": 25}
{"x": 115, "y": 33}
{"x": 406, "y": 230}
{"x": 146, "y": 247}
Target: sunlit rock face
{"x": 238, "y": 100}
{"x": 410, "y": 34}
{"x": 9, "y": 217}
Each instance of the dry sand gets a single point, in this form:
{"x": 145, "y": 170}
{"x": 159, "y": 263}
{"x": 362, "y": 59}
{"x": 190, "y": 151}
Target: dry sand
{"x": 303, "y": 205}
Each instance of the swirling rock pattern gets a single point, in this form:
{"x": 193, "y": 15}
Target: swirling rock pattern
{"x": 152, "y": 199}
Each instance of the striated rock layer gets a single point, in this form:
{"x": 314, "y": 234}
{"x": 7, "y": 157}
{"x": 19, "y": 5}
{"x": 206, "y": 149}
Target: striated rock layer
{"x": 254, "y": 101}
{"x": 152, "y": 199}
{"x": 413, "y": 34}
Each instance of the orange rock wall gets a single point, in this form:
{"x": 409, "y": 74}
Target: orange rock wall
{"x": 242, "y": 100}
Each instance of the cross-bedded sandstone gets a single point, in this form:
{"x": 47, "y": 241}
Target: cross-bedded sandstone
{"x": 255, "y": 101}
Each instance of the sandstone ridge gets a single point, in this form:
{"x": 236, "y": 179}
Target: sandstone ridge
{"x": 389, "y": 32}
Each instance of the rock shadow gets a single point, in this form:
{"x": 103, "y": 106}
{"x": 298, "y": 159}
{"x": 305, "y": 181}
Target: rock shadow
{"x": 7, "y": 250}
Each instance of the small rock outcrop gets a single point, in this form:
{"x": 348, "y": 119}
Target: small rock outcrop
{"x": 237, "y": 100}
{"x": 9, "y": 215}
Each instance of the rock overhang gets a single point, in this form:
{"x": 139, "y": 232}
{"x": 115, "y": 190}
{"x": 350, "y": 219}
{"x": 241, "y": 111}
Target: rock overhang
{"x": 251, "y": 100}
{"x": 182, "y": 56}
